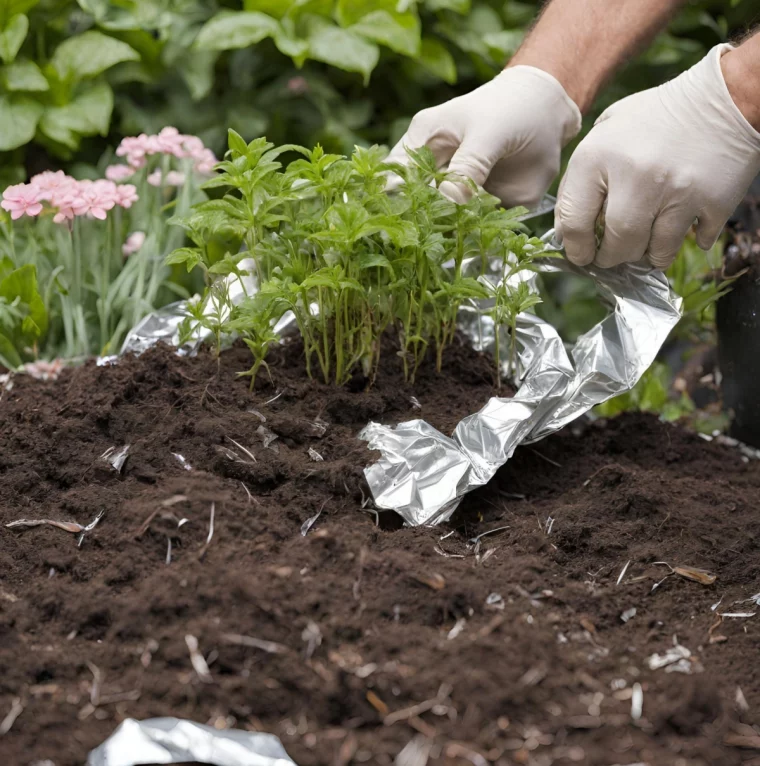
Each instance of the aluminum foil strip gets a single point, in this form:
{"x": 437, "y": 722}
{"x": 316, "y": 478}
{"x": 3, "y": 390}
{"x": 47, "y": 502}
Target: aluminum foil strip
{"x": 423, "y": 474}
{"x": 174, "y": 740}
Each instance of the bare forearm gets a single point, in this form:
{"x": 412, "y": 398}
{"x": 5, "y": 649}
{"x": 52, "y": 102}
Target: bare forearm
{"x": 741, "y": 71}
{"x": 582, "y": 42}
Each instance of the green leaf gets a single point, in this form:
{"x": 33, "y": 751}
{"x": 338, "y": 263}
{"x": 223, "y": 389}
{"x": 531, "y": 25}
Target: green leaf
{"x": 373, "y": 260}
{"x": 341, "y": 48}
{"x": 503, "y": 45}
{"x": 197, "y": 69}
{"x": 22, "y": 284}
{"x": 398, "y": 31}
{"x": 89, "y": 54}
{"x": 435, "y": 57}
{"x": 10, "y": 8}
{"x": 229, "y": 30}
{"x": 24, "y": 75}
{"x": 87, "y": 115}
{"x": 12, "y": 37}
{"x": 188, "y": 256}
{"x": 19, "y": 116}
{"x": 9, "y": 357}
{"x": 458, "y": 6}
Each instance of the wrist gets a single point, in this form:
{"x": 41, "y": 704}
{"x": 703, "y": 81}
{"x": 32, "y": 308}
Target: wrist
{"x": 741, "y": 72}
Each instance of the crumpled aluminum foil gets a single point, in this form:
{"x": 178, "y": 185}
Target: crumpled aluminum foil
{"x": 423, "y": 474}
{"x": 173, "y": 740}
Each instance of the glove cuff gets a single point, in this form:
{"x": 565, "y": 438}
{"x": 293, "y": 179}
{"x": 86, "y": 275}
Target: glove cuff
{"x": 709, "y": 70}
{"x": 558, "y": 103}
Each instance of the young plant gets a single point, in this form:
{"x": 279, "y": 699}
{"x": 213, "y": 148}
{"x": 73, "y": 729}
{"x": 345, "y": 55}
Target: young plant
{"x": 324, "y": 240}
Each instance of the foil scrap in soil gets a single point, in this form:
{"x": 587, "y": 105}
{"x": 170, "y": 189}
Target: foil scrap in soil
{"x": 423, "y": 474}
{"x": 173, "y": 740}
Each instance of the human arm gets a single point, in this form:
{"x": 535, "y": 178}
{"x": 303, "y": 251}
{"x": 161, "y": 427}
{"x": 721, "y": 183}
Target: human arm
{"x": 664, "y": 159}
{"x": 508, "y": 134}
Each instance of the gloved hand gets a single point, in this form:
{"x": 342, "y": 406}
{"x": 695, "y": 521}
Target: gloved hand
{"x": 655, "y": 163}
{"x": 506, "y": 135}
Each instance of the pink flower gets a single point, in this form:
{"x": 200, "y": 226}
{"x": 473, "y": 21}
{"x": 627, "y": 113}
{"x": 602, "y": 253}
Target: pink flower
{"x": 126, "y": 195}
{"x": 170, "y": 141}
{"x": 63, "y": 214}
{"x": 154, "y": 179}
{"x": 174, "y": 178}
{"x": 49, "y": 182}
{"x": 134, "y": 242}
{"x": 205, "y": 162}
{"x": 21, "y": 199}
{"x": 119, "y": 172}
{"x": 94, "y": 199}
{"x": 193, "y": 146}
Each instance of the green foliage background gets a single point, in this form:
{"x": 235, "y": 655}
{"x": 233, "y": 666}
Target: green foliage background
{"x": 79, "y": 74}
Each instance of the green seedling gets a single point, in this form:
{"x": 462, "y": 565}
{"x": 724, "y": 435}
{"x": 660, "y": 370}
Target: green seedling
{"x": 352, "y": 262}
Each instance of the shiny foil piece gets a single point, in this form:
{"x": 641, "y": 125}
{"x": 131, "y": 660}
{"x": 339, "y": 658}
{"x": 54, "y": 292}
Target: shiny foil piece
{"x": 174, "y": 740}
{"x": 423, "y": 474}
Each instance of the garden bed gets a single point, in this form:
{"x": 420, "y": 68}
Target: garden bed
{"x": 355, "y": 641}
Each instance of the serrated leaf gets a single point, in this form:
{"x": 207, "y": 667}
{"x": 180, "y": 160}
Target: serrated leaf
{"x": 19, "y": 116}
{"x": 229, "y": 30}
{"x": 341, "y": 48}
{"x": 187, "y": 256}
{"x": 398, "y": 31}
{"x": 435, "y": 57}
{"x": 24, "y": 75}
{"x": 87, "y": 115}
{"x": 12, "y": 37}
{"x": 89, "y": 54}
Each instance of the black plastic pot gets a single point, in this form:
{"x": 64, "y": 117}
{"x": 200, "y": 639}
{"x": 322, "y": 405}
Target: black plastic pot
{"x": 738, "y": 322}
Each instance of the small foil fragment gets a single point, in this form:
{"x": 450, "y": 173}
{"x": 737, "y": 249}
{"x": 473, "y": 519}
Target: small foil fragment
{"x": 173, "y": 740}
{"x": 423, "y": 474}
{"x": 268, "y": 437}
{"x": 182, "y": 460}
{"x": 315, "y": 456}
{"x": 116, "y": 457}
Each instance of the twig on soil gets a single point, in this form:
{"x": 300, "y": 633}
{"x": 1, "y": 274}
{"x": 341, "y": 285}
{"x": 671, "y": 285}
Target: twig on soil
{"x": 97, "y": 683}
{"x": 197, "y": 660}
{"x": 458, "y": 750}
{"x": 315, "y": 456}
{"x": 210, "y": 531}
{"x": 441, "y": 552}
{"x": 168, "y": 551}
{"x": 310, "y": 522}
{"x": 242, "y": 448}
{"x": 372, "y": 512}
{"x": 637, "y": 702}
{"x": 622, "y": 572}
{"x": 741, "y": 700}
{"x": 116, "y": 457}
{"x": 423, "y": 707}
{"x": 459, "y": 626}
{"x": 251, "y": 498}
{"x": 16, "y": 709}
{"x": 712, "y": 638}
{"x": 547, "y": 459}
{"x": 94, "y": 523}
{"x": 271, "y": 647}
{"x": 512, "y": 495}
{"x": 416, "y": 752}
{"x": 66, "y": 526}
{"x": 275, "y": 397}
{"x": 603, "y": 468}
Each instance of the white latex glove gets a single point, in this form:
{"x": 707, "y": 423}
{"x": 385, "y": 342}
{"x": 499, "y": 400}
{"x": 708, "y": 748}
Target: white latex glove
{"x": 654, "y": 164}
{"x": 506, "y": 135}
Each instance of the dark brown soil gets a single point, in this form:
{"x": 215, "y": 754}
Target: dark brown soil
{"x": 509, "y": 651}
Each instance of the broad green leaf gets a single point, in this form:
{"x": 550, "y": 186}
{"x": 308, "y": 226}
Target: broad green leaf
{"x": 289, "y": 43}
{"x": 9, "y": 357}
{"x": 24, "y": 75}
{"x": 19, "y": 116}
{"x": 341, "y": 48}
{"x": 398, "y": 31}
{"x": 229, "y": 30}
{"x": 87, "y": 115}
{"x": 10, "y": 8}
{"x": 12, "y": 37}
{"x": 276, "y": 8}
{"x": 458, "y": 6}
{"x": 373, "y": 260}
{"x": 89, "y": 54}
{"x": 22, "y": 283}
{"x": 197, "y": 69}
{"x": 435, "y": 57}
{"x": 188, "y": 256}
{"x": 503, "y": 45}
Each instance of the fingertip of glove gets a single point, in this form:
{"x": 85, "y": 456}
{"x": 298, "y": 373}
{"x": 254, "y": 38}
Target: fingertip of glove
{"x": 458, "y": 193}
